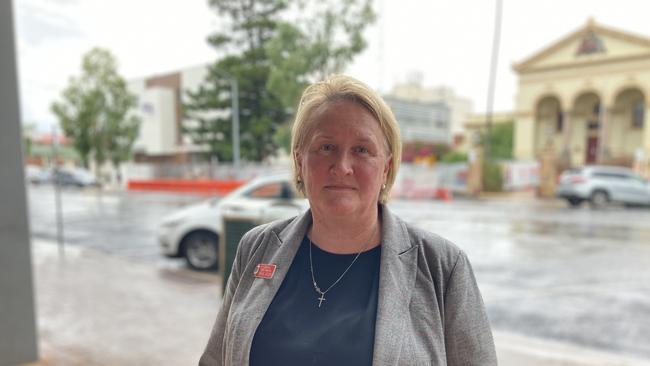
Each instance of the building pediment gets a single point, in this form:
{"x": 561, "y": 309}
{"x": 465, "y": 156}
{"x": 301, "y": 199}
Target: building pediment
{"x": 590, "y": 44}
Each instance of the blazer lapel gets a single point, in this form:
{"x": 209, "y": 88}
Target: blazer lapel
{"x": 397, "y": 273}
{"x": 262, "y": 291}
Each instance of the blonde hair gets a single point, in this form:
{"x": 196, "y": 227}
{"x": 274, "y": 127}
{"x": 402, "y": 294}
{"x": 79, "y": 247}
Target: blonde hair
{"x": 337, "y": 88}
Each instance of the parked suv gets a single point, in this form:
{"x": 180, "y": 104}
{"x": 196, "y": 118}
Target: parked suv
{"x": 601, "y": 185}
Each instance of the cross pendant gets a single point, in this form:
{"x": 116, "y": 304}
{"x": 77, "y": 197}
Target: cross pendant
{"x": 321, "y": 299}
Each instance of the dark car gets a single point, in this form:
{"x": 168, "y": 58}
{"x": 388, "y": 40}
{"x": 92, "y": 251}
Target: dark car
{"x": 74, "y": 177}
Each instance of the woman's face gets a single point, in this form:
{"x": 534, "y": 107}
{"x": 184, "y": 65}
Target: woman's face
{"x": 344, "y": 161}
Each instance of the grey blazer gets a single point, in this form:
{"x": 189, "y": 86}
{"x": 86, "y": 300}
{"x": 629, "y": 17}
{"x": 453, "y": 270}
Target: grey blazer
{"x": 429, "y": 310}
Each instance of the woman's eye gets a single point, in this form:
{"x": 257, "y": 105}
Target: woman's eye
{"x": 327, "y": 147}
{"x": 360, "y": 149}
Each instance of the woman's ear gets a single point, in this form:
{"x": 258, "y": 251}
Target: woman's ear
{"x": 387, "y": 166}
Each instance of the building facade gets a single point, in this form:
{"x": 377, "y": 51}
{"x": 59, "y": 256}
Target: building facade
{"x": 421, "y": 122}
{"x": 475, "y": 124}
{"x": 159, "y": 105}
{"x": 426, "y": 115}
{"x": 585, "y": 98}
{"x": 458, "y": 108}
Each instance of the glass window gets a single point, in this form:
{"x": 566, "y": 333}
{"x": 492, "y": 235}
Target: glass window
{"x": 621, "y": 176}
{"x": 610, "y": 175}
{"x": 639, "y": 179}
{"x": 271, "y": 190}
{"x": 596, "y": 109}
{"x": 601, "y": 175}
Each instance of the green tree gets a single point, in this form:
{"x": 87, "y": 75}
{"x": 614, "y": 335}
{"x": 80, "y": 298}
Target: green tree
{"x": 454, "y": 157}
{"x": 501, "y": 144}
{"x": 94, "y": 111}
{"x": 492, "y": 176}
{"x": 282, "y": 137}
{"x": 326, "y": 38}
{"x": 272, "y": 58}
{"x": 501, "y": 141}
{"x": 208, "y": 110}
{"x": 28, "y": 132}
{"x": 250, "y": 24}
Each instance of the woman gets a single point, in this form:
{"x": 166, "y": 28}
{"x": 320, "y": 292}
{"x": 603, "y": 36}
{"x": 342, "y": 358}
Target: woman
{"x": 348, "y": 282}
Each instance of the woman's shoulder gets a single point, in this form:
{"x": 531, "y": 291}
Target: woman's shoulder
{"x": 433, "y": 246}
{"x": 430, "y": 240}
{"x": 263, "y": 234}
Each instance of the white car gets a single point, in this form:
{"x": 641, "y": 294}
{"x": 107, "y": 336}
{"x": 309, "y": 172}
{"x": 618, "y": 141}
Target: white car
{"x": 600, "y": 185}
{"x": 194, "y": 232}
{"x": 37, "y": 175}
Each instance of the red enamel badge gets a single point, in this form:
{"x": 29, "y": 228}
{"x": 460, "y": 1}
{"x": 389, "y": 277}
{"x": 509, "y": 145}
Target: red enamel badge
{"x": 264, "y": 271}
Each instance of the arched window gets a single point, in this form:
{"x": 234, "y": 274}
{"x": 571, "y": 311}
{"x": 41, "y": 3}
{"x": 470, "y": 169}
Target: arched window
{"x": 597, "y": 109}
{"x": 594, "y": 121}
{"x": 559, "y": 122}
{"x": 638, "y": 114}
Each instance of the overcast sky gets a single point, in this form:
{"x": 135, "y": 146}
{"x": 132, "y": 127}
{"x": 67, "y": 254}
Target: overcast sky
{"x": 446, "y": 42}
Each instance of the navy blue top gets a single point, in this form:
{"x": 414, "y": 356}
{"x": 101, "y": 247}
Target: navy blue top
{"x": 295, "y": 331}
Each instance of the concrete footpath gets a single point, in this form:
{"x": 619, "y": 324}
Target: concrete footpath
{"x": 97, "y": 309}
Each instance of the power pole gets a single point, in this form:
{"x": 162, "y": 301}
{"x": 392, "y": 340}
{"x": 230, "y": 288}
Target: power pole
{"x": 493, "y": 71}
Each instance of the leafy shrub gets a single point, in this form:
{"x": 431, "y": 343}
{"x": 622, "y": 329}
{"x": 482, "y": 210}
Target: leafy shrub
{"x": 492, "y": 177}
{"x": 454, "y": 157}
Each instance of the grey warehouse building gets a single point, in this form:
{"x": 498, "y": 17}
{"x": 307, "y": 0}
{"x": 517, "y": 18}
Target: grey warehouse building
{"x": 422, "y": 122}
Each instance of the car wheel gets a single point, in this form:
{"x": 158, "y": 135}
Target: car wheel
{"x": 574, "y": 202}
{"x": 201, "y": 250}
{"x": 599, "y": 199}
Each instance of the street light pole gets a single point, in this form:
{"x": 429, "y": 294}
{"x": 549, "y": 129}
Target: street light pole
{"x": 234, "y": 96}
{"x": 234, "y": 88}
{"x": 57, "y": 192}
{"x": 493, "y": 71}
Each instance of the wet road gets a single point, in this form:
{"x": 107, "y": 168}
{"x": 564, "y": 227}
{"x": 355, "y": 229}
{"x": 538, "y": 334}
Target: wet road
{"x": 581, "y": 276}
{"x": 121, "y": 223}
{"x": 545, "y": 270}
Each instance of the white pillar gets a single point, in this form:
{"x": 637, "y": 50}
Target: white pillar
{"x": 645, "y": 161}
{"x": 646, "y": 130}
{"x": 525, "y": 137}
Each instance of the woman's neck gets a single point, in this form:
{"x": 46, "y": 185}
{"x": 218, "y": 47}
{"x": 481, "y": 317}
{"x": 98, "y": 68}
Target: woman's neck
{"x": 346, "y": 235}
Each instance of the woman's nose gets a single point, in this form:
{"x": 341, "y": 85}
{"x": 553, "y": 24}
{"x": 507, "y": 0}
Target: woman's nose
{"x": 342, "y": 164}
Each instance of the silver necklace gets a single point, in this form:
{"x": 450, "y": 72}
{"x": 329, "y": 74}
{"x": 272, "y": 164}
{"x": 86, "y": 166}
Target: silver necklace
{"x": 313, "y": 278}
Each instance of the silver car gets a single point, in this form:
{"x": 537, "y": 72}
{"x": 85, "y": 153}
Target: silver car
{"x": 600, "y": 185}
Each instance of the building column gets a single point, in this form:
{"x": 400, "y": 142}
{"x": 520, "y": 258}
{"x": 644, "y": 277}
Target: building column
{"x": 644, "y": 159}
{"x": 18, "y": 342}
{"x": 646, "y": 130}
{"x": 525, "y": 137}
{"x": 475, "y": 171}
{"x": 548, "y": 171}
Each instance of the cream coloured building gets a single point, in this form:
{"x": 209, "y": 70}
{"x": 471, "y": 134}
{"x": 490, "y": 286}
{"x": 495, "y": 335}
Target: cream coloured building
{"x": 475, "y": 124}
{"x": 586, "y": 98}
